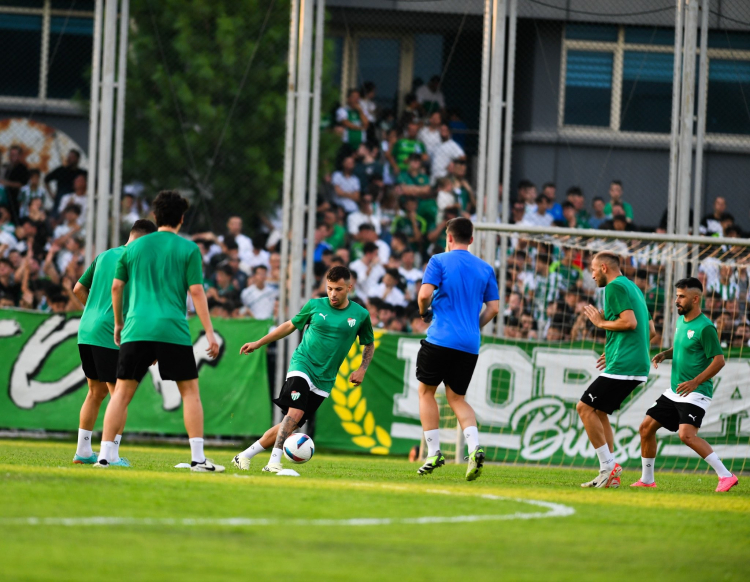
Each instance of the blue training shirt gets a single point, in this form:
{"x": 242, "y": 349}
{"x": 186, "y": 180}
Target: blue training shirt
{"x": 464, "y": 283}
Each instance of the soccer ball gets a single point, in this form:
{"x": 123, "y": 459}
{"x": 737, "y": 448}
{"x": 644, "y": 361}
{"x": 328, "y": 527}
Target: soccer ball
{"x": 299, "y": 448}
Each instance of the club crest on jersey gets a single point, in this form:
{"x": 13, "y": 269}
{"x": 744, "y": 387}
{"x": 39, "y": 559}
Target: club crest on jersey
{"x": 691, "y": 333}
{"x": 295, "y": 395}
{"x": 351, "y": 321}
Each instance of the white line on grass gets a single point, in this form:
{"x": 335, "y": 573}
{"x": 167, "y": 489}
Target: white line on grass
{"x": 556, "y": 510}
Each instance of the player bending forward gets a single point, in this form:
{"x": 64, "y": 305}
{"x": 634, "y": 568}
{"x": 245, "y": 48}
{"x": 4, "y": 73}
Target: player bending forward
{"x": 456, "y": 283}
{"x": 628, "y": 327}
{"x": 96, "y": 344}
{"x": 696, "y": 358}
{"x": 159, "y": 270}
{"x": 334, "y": 322}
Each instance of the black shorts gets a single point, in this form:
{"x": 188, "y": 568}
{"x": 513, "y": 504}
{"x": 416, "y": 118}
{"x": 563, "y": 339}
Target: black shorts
{"x": 176, "y": 362}
{"x": 671, "y": 414}
{"x": 437, "y": 364}
{"x": 607, "y": 394}
{"x": 99, "y": 363}
{"x": 296, "y": 393}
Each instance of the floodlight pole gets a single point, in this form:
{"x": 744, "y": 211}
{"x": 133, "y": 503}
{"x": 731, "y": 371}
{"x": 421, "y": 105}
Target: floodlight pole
{"x": 122, "y": 69}
{"x": 483, "y": 113}
{"x": 701, "y": 130}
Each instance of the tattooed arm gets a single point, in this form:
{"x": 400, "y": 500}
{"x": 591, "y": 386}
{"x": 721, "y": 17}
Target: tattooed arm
{"x": 359, "y": 374}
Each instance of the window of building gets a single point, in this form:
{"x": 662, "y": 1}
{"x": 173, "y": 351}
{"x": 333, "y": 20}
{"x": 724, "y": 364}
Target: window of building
{"x": 619, "y": 78}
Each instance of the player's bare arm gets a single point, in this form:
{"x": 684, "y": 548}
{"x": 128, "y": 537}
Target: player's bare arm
{"x": 661, "y": 356}
{"x": 280, "y": 332}
{"x": 359, "y": 374}
{"x": 685, "y": 388}
{"x": 201, "y": 310}
{"x": 490, "y": 311}
{"x": 117, "y": 289}
{"x": 625, "y": 321}
{"x": 82, "y": 292}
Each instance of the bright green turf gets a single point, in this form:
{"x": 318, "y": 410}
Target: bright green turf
{"x": 681, "y": 531}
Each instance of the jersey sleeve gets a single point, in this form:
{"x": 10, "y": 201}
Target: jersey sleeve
{"x": 88, "y": 277}
{"x": 366, "y": 337}
{"x": 121, "y": 270}
{"x": 617, "y": 299}
{"x": 195, "y": 268}
{"x": 710, "y": 342}
{"x": 303, "y": 317}
{"x": 433, "y": 274}
{"x": 491, "y": 292}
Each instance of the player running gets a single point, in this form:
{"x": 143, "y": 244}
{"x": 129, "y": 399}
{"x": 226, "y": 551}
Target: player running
{"x": 696, "y": 358}
{"x": 96, "y": 344}
{"x": 334, "y": 322}
{"x": 626, "y": 364}
{"x": 456, "y": 284}
{"x": 160, "y": 270}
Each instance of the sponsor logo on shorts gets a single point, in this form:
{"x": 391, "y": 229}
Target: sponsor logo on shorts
{"x": 592, "y": 397}
{"x": 691, "y": 416}
{"x": 351, "y": 321}
{"x": 295, "y": 395}
{"x": 690, "y": 334}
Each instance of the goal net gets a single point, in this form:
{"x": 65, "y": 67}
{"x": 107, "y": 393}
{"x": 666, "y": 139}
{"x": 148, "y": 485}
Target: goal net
{"x": 535, "y": 363}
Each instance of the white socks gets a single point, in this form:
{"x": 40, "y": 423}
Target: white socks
{"x": 116, "y": 454}
{"x": 252, "y": 450}
{"x": 196, "y": 450}
{"x": 647, "y": 473}
{"x": 471, "y": 434}
{"x": 715, "y": 462}
{"x": 432, "y": 438}
{"x": 606, "y": 458}
{"x": 107, "y": 451}
{"x": 84, "y": 443}
{"x": 275, "y": 456}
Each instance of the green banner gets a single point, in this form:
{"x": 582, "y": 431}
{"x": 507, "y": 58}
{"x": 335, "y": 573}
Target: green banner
{"x": 45, "y": 385}
{"x": 524, "y": 395}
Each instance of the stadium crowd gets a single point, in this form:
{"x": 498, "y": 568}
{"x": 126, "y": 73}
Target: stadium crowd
{"x": 382, "y": 213}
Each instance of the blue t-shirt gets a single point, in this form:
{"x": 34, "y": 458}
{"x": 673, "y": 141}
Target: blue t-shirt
{"x": 463, "y": 283}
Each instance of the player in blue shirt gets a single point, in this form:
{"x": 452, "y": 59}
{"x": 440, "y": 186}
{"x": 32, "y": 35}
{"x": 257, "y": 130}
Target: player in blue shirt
{"x": 456, "y": 284}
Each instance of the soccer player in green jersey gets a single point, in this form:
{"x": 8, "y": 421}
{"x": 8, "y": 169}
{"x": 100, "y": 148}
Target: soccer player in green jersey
{"x": 696, "y": 358}
{"x": 160, "y": 270}
{"x": 96, "y": 343}
{"x": 334, "y": 323}
{"x": 625, "y": 360}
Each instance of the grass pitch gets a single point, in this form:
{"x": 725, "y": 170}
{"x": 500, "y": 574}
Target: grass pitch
{"x": 355, "y": 518}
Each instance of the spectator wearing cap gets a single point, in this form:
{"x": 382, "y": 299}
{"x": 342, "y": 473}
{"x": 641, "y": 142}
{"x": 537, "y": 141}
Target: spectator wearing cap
{"x": 387, "y": 290}
{"x": 347, "y": 186}
{"x": 410, "y": 224}
{"x": 430, "y": 97}
{"x": 258, "y": 298}
{"x": 78, "y": 196}
{"x": 353, "y": 120}
{"x": 446, "y": 152}
{"x": 365, "y": 215}
{"x": 408, "y": 145}
{"x": 369, "y": 270}
{"x": 429, "y": 135}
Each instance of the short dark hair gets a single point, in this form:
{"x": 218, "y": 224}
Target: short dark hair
{"x": 690, "y": 283}
{"x": 337, "y": 273}
{"x": 607, "y": 257}
{"x": 350, "y": 91}
{"x": 525, "y": 184}
{"x": 574, "y": 191}
{"x": 597, "y": 198}
{"x": 76, "y": 208}
{"x": 256, "y": 267}
{"x": 548, "y": 185}
{"x": 143, "y": 226}
{"x": 462, "y": 230}
{"x": 369, "y": 247}
{"x": 34, "y": 172}
{"x": 541, "y": 197}
{"x": 366, "y": 226}
{"x": 169, "y": 208}
{"x": 617, "y": 182}
{"x": 568, "y": 204}
{"x": 76, "y": 153}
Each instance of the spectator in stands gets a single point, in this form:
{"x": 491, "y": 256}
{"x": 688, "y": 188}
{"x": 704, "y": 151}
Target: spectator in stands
{"x": 615, "y": 197}
{"x": 412, "y": 110}
{"x": 445, "y": 153}
{"x": 429, "y": 135}
{"x": 244, "y": 243}
{"x": 463, "y": 190}
{"x": 518, "y": 211}
{"x": 529, "y": 329}
{"x": 566, "y": 274}
{"x": 515, "y": 305}
{"x": 368, "y": 168}
{"x": 410, "y": 224}
{"x": 274, "y": 273}
{"x": 10, "y": 291}
{"x": 437, "y": 236}
{"x": 367, "y": 103}
{"x": 387, "y": 290}
{"x": 64, "y": 176}
{"x": 259, "y": 298}
{"x": 555, "y": 208}
{"x": 352, "y": 118}
{"x": 365, "y": 215}
{"x": 711, "y": 223}
{"x": 408, "y": 145}
{"x": 367, "y": 234}
{"x": 347, "y": 186}
{"x": 446, "y": 197}
{"x": 338, "y": 232}
{"x": 322, "y": 232}
{"x": 575, "y": 196}
{"x": 598, "y": 219}
{"x": 430, "y": 96}
{"x": 70, "y": 225}
{"x": 14, "y": 177}
{"x": 77, "y": 196}
{"x": 414, "y": 182}
{"x": 570, "y": 216}
{"x": 239, "y": 269}
{"x": 540, "y": 216}
{"x": 221, "y": 289}
{"x": 527, "y": 194}
{"x": 410, "y": 273}
{"x": 258, "y": 254}
{"x": 369, "y": 270}
{"x": 31, "y": 191}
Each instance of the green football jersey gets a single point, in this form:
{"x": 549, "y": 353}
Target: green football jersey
{"x": 97, "y": 325}
{"x": 627, "y": 351}
{"x": 328, "y": 339}
{"x": 404, "y": 148}
{"x": 160, "y": 268}
{"x": 696, "y": 343}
